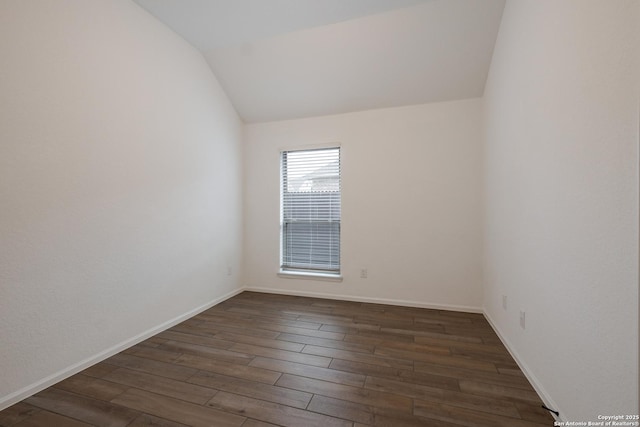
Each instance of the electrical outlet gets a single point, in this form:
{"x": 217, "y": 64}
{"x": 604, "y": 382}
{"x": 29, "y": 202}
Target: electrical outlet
{"x": 504, "y": 302}
{"x": 229, "y": 271}
{"x": 522, "y": 317}
{"x": 363, "y": 273}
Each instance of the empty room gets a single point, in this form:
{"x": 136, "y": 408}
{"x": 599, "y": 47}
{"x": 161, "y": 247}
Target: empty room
{"x": 319, "y": 213}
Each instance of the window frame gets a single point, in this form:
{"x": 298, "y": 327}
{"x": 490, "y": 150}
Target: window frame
{"x": 308, "y": 273}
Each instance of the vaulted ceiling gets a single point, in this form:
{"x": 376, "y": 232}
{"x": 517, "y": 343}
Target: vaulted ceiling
{"x": 283, "y": 59}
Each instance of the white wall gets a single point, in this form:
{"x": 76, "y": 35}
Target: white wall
{"x": 561, "y": 232}
{"x": 411, "y": 203}
{"x": 119, "y": 185}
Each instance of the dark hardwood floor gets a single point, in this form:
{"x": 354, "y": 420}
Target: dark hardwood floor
{"x": 261, "y": 359}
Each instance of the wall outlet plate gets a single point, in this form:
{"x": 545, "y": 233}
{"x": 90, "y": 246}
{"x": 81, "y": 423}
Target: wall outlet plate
{"x": 522, "y": 319}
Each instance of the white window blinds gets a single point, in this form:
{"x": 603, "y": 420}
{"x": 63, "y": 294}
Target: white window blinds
{"x": 311, "y": 210}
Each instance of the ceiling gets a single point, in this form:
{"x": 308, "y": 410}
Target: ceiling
{"x": 284, "y": 59}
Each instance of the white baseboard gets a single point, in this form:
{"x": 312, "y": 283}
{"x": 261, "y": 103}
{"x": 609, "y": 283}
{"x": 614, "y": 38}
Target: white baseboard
{"x": 40, "y": 385}
{"x": 546, "y": 398}
{"x": 448, "y": 307}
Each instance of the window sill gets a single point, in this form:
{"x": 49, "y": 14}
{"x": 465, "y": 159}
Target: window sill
{"x": 327, "y": 277}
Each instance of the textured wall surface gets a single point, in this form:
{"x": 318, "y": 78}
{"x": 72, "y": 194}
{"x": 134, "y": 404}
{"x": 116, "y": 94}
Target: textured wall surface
{"x": 410, "y": 210}
{"x": 119, "y": 184}
{"x": 561, "y": 197}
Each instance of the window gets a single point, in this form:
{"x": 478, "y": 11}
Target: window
{"x": 310, "y": 211}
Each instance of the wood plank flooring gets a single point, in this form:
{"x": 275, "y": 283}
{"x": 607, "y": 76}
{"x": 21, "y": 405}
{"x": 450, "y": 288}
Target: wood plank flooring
{"x": 263, "y": 360}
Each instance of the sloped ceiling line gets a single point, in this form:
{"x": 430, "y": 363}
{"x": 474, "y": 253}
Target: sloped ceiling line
{"x": 284, "y": 59}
